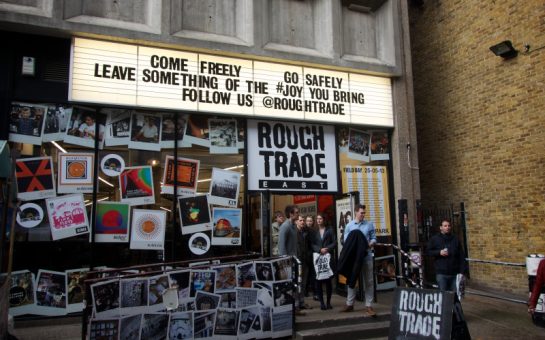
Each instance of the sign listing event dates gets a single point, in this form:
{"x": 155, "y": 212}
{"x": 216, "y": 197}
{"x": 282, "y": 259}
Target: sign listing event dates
{"x": 113, "y": 73}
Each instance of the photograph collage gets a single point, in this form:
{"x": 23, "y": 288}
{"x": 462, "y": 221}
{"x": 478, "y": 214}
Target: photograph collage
{"x": 240, "y": 300}
{"x": 137, "y": 175}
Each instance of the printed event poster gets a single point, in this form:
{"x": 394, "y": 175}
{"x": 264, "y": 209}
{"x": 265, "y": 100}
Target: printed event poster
{"x": 34, "y": 178}
{"x": 75, "y": 172}
{"x": 76, "y": 289}
{"x": 344, "y": 208}
{"x": 136, "y": 185}
{"x": 22, "y": 293}
{"x": 194, "y": 214}
{"x": 226, "y": 226}
{"x": 113, "y": 221}
{"x": 50, "y": 293}
{"x": 67, "y": 216}
{"x": 148, "y": 229}
{"x": 371, "y": 182}
{"x": 26, "y": 123}
{"x": 224, "y": 187}
{"x": 187, "y": 175}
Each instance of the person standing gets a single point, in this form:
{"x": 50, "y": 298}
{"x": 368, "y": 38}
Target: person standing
{"x": 448, "y": 255}
{"x": 310, "y": 277}
{"x": 323, "y": 242}
{"x": 287, "y": 240}
{"x": 303, "y": 252}
{"x": 368, "y": 230}
{"x": 275, "y": 227}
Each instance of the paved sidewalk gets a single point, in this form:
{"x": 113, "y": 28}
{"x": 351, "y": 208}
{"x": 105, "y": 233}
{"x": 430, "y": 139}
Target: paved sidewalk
{"x": 487, "y": 318}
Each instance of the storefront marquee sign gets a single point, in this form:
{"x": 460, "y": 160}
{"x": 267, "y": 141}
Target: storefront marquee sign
{"x": 123, "y": 74}
{"x": 291, "y": 157}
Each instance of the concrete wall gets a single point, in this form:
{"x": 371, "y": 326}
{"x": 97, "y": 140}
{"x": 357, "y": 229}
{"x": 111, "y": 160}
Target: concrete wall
{"x": 318, "y": 31}
{"x": 480, "y": 127}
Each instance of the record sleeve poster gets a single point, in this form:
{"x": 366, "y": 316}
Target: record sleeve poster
{"x": 67, "y": 216}
{"x": 76, "y": 172}
{"x": 187, "y": 174}
{"x": 34, "y": 178}
{"x": 113, "y": 221}
{"x": 148, "y": 229}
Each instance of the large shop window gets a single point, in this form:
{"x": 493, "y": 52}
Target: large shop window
{"x": 146, "y": 206}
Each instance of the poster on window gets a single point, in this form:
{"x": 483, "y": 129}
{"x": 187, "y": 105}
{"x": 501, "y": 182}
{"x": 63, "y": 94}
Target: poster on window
{"x": 34, "y": 178}
{"x": 129, "y": 327}
{"x": 105, "y": 297}
{"x": 67, "y": 216}
{"x": 56, "y": 123}
{"x": 133, "y": 295}
{"x": 194, "y": 214}
{"x": 197, "y": 131}
{"x": 29, "y": 215}
{"x": 148, "y": 229}
{"x": 136, "y": 185}
{"x": 226, "y": 278}
{"x": 22, "y": 292}
{"x": 223, "y": 136}
{"x": 224, "y": 187}
{"x": 112, "y": 165}
{"x": 226, "y": 226}
{"x": 291, "y": 157}
{"x": 112, "y": 222}
{"x": 202, "y": 280}
{"x": 50, "y": 293}
{"x": 385, "y": 272}
{"x": 76, "y": 172}
{"x": 75, "y": 283}
{"x": 380, "y": 146}
{"x": 180, "y": 280}
{"x": 83, "y": 126}
{"x": 169, "y": 132}
{"x": 26, "y": 123}
{"x": 226, "y": 323}
{"x": 344, "y": 208}
{"x": 187, "y": 175}
{"x": 358, "y": 145}
{"x": 118, "y": 127}
{"x": 145, "y": 131}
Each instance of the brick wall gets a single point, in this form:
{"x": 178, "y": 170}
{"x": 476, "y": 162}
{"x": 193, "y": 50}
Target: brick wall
{"x": 481, "y": 127}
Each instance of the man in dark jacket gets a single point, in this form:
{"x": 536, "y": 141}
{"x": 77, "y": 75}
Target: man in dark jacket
{"x": 449, "y": 259}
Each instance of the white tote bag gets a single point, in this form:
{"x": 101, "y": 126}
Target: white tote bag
{"x": 321, "y": 266}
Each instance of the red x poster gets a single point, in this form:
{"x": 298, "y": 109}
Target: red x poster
{"x": 34, "y": 178}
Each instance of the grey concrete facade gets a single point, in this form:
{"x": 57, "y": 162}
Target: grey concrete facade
{"x": 320, "y": 33}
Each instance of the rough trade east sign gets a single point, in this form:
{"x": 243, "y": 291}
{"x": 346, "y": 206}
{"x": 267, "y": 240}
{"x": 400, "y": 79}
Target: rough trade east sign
{"x": 291, "y": 157}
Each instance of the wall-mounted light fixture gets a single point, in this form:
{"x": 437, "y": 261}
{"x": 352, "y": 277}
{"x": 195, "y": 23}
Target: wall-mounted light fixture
{"x": 504, "y": 49}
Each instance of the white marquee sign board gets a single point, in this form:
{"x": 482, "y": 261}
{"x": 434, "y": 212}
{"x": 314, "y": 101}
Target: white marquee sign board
{"x": 123, "y": 74}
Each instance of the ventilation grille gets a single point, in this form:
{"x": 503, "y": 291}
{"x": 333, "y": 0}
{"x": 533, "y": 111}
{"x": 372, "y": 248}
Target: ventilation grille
{"x": 56, "y": 71}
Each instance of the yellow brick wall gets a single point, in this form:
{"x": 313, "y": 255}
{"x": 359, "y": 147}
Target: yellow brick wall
{"x": 481, "y": 127}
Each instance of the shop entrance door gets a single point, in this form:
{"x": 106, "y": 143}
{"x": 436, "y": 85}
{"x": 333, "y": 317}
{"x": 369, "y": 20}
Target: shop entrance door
{"x": 259, "y": 222}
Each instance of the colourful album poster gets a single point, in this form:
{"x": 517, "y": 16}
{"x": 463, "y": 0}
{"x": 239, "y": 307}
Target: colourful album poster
{"x": 75, "y": 283}
{"x": 187, "y": 175}
{"x": 26, "y": 123}
{"x": 76, "y": 172}
{"x": 136, "y": 185}
{"x": 34, "y": 178}
{"x": 51, "y": 293}
{"x": 112, "y": 222}
{"x": 67, "y": 216}
{"x": 223, "y": 136}
{"x": 145, "y": 131}
{"x": 224, "y": 187}
{"x": 148, "y": 229}
{"x": 226, "y": 226}
{"x": 22, "y": 293}
{"x": 194, "y": 214}
{"x": 56, "y": 122}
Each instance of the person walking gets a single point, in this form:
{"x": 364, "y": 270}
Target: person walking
{"x": 448, "y": 255}
{"x": 287, "y": 241}
{"x": 323, "y": 242}
{"x": 367, "y": 228}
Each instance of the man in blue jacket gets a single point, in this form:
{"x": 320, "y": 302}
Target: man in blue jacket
{"x": 449, "y": 259}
